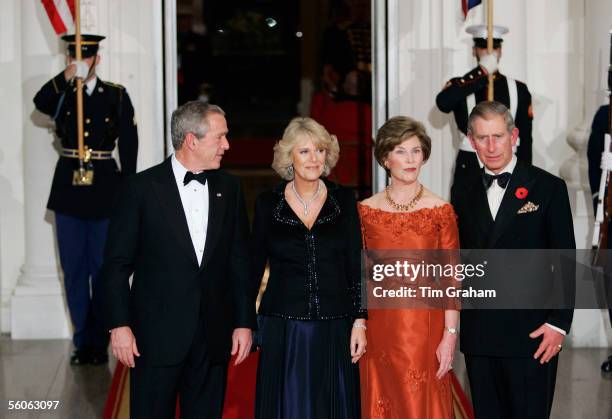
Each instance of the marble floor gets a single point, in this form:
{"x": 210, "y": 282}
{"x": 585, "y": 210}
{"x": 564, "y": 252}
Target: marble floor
{"x": 39, "y": 370}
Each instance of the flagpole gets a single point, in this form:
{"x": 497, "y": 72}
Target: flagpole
{"x": 490, "y": 95}
{"x": 81, "y": 177}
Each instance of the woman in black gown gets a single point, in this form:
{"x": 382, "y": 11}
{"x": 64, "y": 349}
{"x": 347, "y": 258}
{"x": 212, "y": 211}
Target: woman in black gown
{"x": 312, "y": 325}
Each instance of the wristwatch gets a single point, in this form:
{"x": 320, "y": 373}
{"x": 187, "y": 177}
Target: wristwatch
{"x": 451, "y": 330}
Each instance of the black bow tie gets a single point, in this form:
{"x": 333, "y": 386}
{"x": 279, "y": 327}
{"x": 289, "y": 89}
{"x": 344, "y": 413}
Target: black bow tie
{"x": 200, "y": 177}
{"x": 502, "y": 179}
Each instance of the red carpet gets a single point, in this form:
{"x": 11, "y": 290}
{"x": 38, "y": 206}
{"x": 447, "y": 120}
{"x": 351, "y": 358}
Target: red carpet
{"x": 239, "y": 401}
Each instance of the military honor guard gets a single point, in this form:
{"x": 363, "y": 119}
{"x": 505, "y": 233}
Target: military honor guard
{"x": 461, "y": 94}
{"x": 599, "y": 160}
{"x": 86, "y": 180}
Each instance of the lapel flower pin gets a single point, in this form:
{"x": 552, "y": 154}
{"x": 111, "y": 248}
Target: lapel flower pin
{"x": 521, "y": 193}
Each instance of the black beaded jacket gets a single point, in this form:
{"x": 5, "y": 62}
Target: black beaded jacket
{"x": 314, "y": 274}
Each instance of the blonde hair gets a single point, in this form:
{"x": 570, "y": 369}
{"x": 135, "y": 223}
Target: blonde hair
{"x": 297, "y": 129}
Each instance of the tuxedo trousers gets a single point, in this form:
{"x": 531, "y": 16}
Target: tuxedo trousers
{"x": 511, "y": 388}
{"x": 198, "y": 383}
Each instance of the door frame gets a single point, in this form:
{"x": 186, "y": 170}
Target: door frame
{"x": 385, "y": 64}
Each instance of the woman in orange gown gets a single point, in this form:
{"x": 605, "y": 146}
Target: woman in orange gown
{"x": 404, "y": 373}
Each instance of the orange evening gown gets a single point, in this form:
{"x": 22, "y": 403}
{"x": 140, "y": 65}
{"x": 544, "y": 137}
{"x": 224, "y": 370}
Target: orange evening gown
{"x": 398, "y": 371}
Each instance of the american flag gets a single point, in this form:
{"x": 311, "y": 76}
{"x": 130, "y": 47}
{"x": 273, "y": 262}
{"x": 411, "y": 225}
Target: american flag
{"x": 61, "y": 14}
{"x": 466, "y": 5}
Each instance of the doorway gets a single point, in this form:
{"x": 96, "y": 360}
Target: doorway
{"x": 267, "y": 61}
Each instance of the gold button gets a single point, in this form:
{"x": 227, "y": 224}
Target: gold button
{"x": 68, "y": 113}
{"x": 86, "y": 134}
{"x": 87, "y": 121}
{"x": 106, "y": 119}
{"x": 471, "y": 76}
{"x": 462, "y": 81}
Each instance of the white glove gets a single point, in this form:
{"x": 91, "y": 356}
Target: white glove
{"x": 606, "y": 161}
{"x": 82, "y": 69}
{"x": 489, "y": 63}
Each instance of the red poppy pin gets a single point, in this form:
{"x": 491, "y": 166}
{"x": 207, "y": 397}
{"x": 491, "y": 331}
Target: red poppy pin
{"x": 521, "y": 193}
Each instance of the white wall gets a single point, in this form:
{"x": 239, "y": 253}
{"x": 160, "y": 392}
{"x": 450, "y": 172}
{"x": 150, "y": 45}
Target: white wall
{"x": 598, "y": 15}
{"x": 131, "y": 55}
{"x": 11, "y": 157}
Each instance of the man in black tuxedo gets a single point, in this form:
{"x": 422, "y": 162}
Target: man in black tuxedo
{"x": 181, "y": 229}
{"x": 511, "y": 355}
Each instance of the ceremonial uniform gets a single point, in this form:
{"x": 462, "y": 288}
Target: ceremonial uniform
{"x": 596, "y": 146}
{"x": 461, "y": 94}
{"x": 82, "y": 212}
{"x": 599, "y": 128}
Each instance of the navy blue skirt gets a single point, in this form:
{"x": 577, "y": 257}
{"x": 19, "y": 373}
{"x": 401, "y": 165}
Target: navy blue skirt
{"x": 305, "y": 370}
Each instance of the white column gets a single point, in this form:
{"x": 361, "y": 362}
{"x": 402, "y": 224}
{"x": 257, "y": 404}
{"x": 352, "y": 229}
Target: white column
{"x": 12, "y": 246}
{"x": 37, "y": 305}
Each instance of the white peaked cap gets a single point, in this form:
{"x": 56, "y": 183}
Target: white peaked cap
{"x": 480, "y": 31}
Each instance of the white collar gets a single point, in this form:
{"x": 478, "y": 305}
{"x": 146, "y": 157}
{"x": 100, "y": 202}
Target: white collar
{"x": 509, "y": 167}
{"x": 91, "y": 85}
{"x": 178, "y": 169}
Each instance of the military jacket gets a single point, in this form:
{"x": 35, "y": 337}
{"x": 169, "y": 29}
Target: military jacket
{"x": 454, "y": 98}
{"x": 108, "y": 121}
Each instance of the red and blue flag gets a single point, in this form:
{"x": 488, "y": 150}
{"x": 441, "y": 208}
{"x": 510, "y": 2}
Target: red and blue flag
{"x": 466, "y": 5}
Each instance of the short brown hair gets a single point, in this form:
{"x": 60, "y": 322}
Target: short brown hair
{"x": 397, "y": 130}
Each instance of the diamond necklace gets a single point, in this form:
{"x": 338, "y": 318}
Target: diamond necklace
{"x": 304, "y": 203}
{"x": 404, "y": 207}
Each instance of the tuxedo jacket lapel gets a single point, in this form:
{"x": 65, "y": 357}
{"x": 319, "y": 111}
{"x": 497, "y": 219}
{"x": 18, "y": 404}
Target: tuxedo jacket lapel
{"x": 217, "y": 197}
{"x": 170, "y": 200}
{"x": 510, "y": 203}
{"x": 476, "y": 197}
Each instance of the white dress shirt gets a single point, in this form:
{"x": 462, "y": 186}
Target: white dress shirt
{"x": 495, "y": 194}
{"x": 194, "y": 197}
{"x": 90, "y": 85}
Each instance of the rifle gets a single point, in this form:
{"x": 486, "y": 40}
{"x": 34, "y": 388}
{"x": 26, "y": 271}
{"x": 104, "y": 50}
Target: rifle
{"x": 602, "y": 215}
